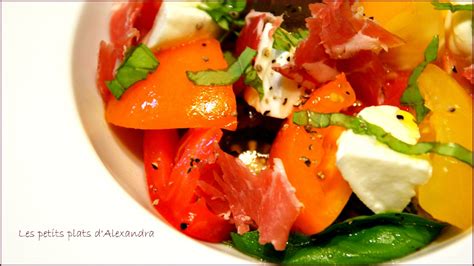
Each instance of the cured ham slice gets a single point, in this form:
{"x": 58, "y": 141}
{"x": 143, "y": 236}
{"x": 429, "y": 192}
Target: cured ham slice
{"x": 341, "y": 39}
{"x": 279, "y": 206}
{"x": 249, "y": 36}
{"x": 206, "y": 185}
{"x": 366, "y": 74}
{"x": 129, "y": 22}
{"x": 209, "y": 189}
{"x": 105, "y": 68}
{"x": 266, "y": 200}
{"x": 345, "y": 31}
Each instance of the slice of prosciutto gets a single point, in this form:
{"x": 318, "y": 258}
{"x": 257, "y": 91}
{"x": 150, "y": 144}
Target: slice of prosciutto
{"x": 129, "y": 22}
{"x": 367, "y": 75}
{"x": 345, "y": 31}
{"x": 105, "y": 68}
{"x": 251, "y": 33}
{"x": 341, "y": 39}
{"x": 266, "y": 200}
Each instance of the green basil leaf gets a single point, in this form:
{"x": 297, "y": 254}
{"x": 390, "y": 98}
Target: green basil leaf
{"x": 223, "y": 77}
{"x": 284, "y": 40}
{"x": 223, "y": 23}
{"x": 453, "y": 8}
{"x": 360, "y": 126}
{"x": 115, "y": 88}
{"x": 127, "y": 76}
{"x": 229, "y": 58}
{"x": 367, "y": 239}
{"x": 431, "y": 51}
{"x": 139, "y": 62}
{"x": 412, "y": 96}
{"x": 226, "y": 13}
{"x": 238, "y": 5}
{"x": 141, "y": 57}
{"x": 253, "y": 80}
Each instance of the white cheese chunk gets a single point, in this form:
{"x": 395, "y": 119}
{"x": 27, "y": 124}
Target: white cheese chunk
{"x": 280, "y": 93}
{"x": 399, "y": 123}
{"x": 178, "y": 22}
{"x": 383, "y": 179}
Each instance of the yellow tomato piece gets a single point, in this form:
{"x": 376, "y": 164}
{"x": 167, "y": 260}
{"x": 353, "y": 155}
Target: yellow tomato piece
{"x": 416, "y": 22}
{"x": 448, "y": 194}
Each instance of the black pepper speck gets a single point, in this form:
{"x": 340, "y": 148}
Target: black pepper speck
{"x": 306, "y": 161}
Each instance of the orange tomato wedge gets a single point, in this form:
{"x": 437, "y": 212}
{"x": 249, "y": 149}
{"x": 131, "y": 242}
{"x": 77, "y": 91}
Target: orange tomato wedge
{"x": 167, "y": 99}
{"x": 310, "y": 159}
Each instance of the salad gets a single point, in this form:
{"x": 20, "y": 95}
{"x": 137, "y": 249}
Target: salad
{"x": 299, "y": 131}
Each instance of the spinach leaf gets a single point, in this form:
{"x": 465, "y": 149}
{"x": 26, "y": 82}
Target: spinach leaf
{"x": 368, "y": 239}
{"x": 364, "y": 239}
{"x": 248, "y": 244}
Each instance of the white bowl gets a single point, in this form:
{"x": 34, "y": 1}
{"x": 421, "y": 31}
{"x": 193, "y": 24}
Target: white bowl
{"x": 117, "y": 148}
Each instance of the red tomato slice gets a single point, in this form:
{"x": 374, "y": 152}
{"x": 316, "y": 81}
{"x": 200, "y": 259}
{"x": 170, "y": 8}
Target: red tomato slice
{"x": 168, "y": 99}
{"x": 203, "y": 224}
{"x": 159, "y": 151}
{"x": 197, "y": 149}
{"x": 310, "y": 159}
{"x": 394, "y": 88}
{"x": 174, "y": 187}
